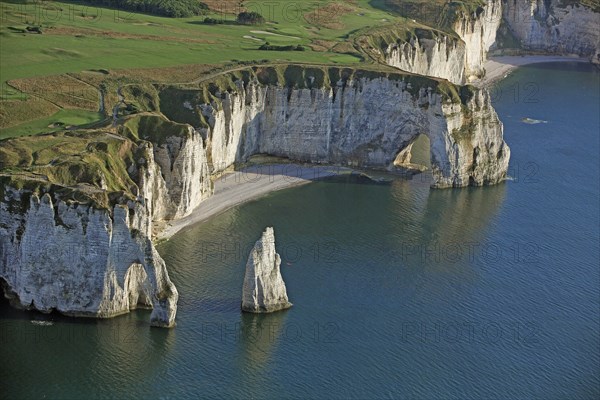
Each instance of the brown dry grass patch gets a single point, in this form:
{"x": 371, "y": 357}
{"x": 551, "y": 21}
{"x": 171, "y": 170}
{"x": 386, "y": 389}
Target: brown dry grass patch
{"x": 178, "y": 74}
{"x": 15, "y": 112}
{"x": 70, "y": 31}
{"x": 322, "y": 45}
{"x": 344, "y": 48}
{"x": 62, "y": 90}
{"x": 49, "y": 94}
{"x": 333, "y": 46}
{"x": 110, "y": 81}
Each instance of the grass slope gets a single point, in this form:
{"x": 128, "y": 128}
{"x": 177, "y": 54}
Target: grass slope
{"x": 76, "y": 38}
{"x": 58, "y": 121}
{"x": 35, "y": 92}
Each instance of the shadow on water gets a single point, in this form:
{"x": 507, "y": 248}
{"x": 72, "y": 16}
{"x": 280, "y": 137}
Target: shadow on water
{"x": 313, "y": 172}
{"x": 467, "y": 211}
{"x": 564, "y": 66}
{"x": 455, "y": 228}
{"x": 260, "y": 335}
{"x": 439, "y": 233}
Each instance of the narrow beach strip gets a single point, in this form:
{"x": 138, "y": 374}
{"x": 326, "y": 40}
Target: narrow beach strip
{"x": 498, "y": 67}
{"x": 238, "y": 187}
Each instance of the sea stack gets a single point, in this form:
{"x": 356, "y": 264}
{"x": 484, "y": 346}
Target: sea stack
{"x": 264, "y": 290}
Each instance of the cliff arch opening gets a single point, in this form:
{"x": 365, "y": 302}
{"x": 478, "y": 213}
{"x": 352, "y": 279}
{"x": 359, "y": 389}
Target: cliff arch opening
{"x": 137, "y": 286}
{"x": 415, "y": 157}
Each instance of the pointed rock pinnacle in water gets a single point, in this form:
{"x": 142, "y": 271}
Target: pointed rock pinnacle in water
{"x": 264, "y": 290}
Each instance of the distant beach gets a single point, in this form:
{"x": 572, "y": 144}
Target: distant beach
{"x": 498, "y": 67}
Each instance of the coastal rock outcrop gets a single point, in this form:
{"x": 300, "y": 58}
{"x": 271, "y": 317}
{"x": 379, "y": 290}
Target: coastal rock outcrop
{"x": 173, "y": 171}
{"x": 478, "y": 32}
{"x": 362, "y": 120}
{"x": 555, "y": 26}
{"x": 440, "y": 55}
{"x": 81, "y": 261}
{"x": 84, "y": 257}
{"x": 79, "y": 209}
{"x": 264, "y": 290}
{"x": 457, "y": 55}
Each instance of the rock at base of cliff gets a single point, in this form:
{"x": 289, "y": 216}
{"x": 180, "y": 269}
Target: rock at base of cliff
{"x": 264, "y": 290}
{"x": 163, "y": 314}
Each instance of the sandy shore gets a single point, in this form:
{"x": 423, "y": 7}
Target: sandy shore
{"x": 249, "y": 184}
{"x": 498, "y": 67}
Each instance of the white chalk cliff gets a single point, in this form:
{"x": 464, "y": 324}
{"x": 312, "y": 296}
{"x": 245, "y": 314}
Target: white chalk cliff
{"x": 82, "y": 260}
{"x": 175, "y": 177}
{"x": 264, "y": 290}
{"x": 478, "y": 32}
{"x": 458, "y": 58}
{"x": 87, "y": 259}
{"x": 362, "y": 122}
{"x": 441, "y": 55}
{"x": 555, "y": 26}
{"x": 552, "y": 26}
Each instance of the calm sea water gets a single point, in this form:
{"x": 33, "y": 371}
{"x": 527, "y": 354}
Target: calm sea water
{"x": 399, "y": 291}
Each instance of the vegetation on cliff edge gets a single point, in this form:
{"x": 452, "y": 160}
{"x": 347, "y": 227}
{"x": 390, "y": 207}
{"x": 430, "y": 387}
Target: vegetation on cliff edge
{"x": 85, "y": 166}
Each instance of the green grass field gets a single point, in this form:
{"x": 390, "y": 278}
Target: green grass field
{"x": 60, "y": 120}
{"x": 77, "y": 38}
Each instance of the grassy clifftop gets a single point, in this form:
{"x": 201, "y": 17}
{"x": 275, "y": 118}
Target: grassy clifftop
{"x": 83, "y": 166}
{"x": 178, "y": 102}
{"x": 375, "y": 42}
{"x": 441, "y": 14}
{"x": 96, "y": 167}
{"x": 99, "y": 166}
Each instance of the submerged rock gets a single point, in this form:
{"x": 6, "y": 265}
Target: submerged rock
{"x": 264, "y": 290}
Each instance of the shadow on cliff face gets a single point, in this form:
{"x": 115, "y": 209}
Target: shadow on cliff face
{"x": 11, "y": 311}
{"x": 3, "y": 298}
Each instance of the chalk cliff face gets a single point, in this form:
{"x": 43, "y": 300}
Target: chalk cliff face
{"x": 175, "y": 176}
{"x": 86, "y": 260}
{"x": 264, "y": 290}
{"x": 80, "y": 260}
{"x": 555, "y": 26}
{"x": 365, "y": 122}
{"x": 478, "y": 32}
{"x": 442, "y": 55}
